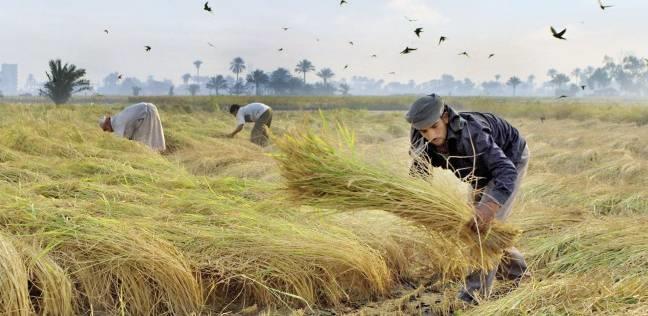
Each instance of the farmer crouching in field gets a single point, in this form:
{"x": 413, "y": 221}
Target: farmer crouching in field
{"x": 139, "y": 122}
{"x": 489, "y": 150}
{"x": 257, "y": 113}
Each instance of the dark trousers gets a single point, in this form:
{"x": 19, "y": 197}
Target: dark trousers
{"x": 513, "y": 265}
{"x": 259, "y": 134}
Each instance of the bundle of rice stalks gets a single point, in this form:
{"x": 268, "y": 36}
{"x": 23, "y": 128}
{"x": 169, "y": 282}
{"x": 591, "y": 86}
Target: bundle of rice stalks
{"x": 245, "y": 256}
{"x": 321, "y": 175}
{"x": 115, "y": 268}
{"x": 14, "y": 297}
{"x": 50, "y": 287}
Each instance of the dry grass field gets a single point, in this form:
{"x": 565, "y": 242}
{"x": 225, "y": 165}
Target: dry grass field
{"x": 90, "y": 223}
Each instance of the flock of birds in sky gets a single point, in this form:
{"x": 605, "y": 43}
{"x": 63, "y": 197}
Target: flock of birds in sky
{"x": 417, "y": 31}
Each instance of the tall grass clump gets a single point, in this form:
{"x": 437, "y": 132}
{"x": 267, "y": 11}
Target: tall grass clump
{"x": 595, "y": 293}
{"x": 320, "y": 174}
{"x": 618, "y": 244}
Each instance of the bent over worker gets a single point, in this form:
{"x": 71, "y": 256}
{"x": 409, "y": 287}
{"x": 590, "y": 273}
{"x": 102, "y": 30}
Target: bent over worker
{"x": 257, "y": 113}
{"x": 485, "y": 148}
{"x": 139, "y": 122}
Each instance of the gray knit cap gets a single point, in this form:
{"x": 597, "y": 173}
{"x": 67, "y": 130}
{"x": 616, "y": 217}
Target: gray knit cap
{"x": 425, "y": 111}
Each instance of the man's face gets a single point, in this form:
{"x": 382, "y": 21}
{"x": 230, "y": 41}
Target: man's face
{"x": 106, "y": 127}
{"x": 436, "y": 133}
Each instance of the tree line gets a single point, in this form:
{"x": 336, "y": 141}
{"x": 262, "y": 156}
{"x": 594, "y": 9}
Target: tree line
{"x": 627, "y": 77}
{"x": 258, "y": 82}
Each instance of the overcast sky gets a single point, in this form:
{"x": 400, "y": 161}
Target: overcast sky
{"x": 517, "y": 31}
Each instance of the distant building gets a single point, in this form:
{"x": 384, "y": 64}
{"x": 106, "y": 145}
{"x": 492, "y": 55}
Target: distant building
{"x": 31, "y": 86}
{"x": 9, "y": 79}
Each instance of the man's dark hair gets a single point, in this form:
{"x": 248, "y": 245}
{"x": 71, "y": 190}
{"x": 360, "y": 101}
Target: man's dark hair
{"x": 234, "y": 108}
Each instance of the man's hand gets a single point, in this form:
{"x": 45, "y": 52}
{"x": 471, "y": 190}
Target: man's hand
{"x": 484, "y": 215}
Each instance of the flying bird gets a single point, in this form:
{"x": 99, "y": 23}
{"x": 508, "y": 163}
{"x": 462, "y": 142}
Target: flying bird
{"x": 346, "y": 66}
{"x": 583, "y": 87}
{"x": 212, "y": 45}
{"x": 343, "y": 2}
{"x": 392, "y": 73}
{"x": 491, "y": 56}
{"x": 285, "y": 28}
{"x": 562, "y": 97}
{"x": 602, "y": 6}
{"x": 280, "y": 49}
{"x": 410, "y": 20}
{"x": 464, "y": 53}
{"x": 442, "y": 39}
{"x": 206, "y": 7}
{"x": 558, "y": 35}
{"x": 374, "y": 56}
{"x": 120, "y": 77}
{"x": 408, "y": 50}
{"x": 351, "y": 42}
{"x": 418, "y": 32}
{"x": 148, "y": 48}
{"x": 106, "y": 31}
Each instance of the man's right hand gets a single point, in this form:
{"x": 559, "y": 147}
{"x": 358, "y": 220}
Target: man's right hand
{"x": 484, "y": 215}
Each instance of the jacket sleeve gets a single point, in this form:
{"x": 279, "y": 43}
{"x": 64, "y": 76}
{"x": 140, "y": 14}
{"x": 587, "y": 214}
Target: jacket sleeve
{"x": 500, "y": 167}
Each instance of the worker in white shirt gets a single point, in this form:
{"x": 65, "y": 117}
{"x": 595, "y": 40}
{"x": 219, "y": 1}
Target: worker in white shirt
{"x": 257, "y": 113}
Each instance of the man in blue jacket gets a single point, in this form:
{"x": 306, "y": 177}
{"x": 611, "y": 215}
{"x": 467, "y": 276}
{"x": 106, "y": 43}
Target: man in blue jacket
{"x": 484, "y": 149}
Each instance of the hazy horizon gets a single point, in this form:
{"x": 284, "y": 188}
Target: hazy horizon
{"x": 179, "y": 32}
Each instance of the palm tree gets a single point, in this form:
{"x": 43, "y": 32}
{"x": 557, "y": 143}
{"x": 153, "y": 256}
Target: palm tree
{"x": 216, "y": 83}
{"x": 559, "y": 80}
{"x": 514, "y": 82}
{"x": 279, "y": 80}
{"x": 238, "y": 88}
{"x": 576, "y": 73}
{"x": 344, "y": 88}
{"x": 304, "y": 67}
{"x": 326, "y": 74}
{"x": 258, "y": 78}
{"x": 198, "y": 63}
{"x": 193, "y": 89}
{"x": 136, "y": 91}
{"x": 185, "y": 78}
{"x": 237, "y": 66}
{"x": 63, "y": 81}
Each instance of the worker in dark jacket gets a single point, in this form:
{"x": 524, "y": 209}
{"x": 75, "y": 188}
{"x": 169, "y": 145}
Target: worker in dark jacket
{"x": 481, "y": 148}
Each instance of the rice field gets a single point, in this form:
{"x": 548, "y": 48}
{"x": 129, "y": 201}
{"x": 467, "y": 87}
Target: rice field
{"x": 93, "y": 224}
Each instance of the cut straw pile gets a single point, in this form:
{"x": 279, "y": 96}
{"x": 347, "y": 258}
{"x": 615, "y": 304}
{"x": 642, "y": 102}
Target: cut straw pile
{"x": 322, "y": 175}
